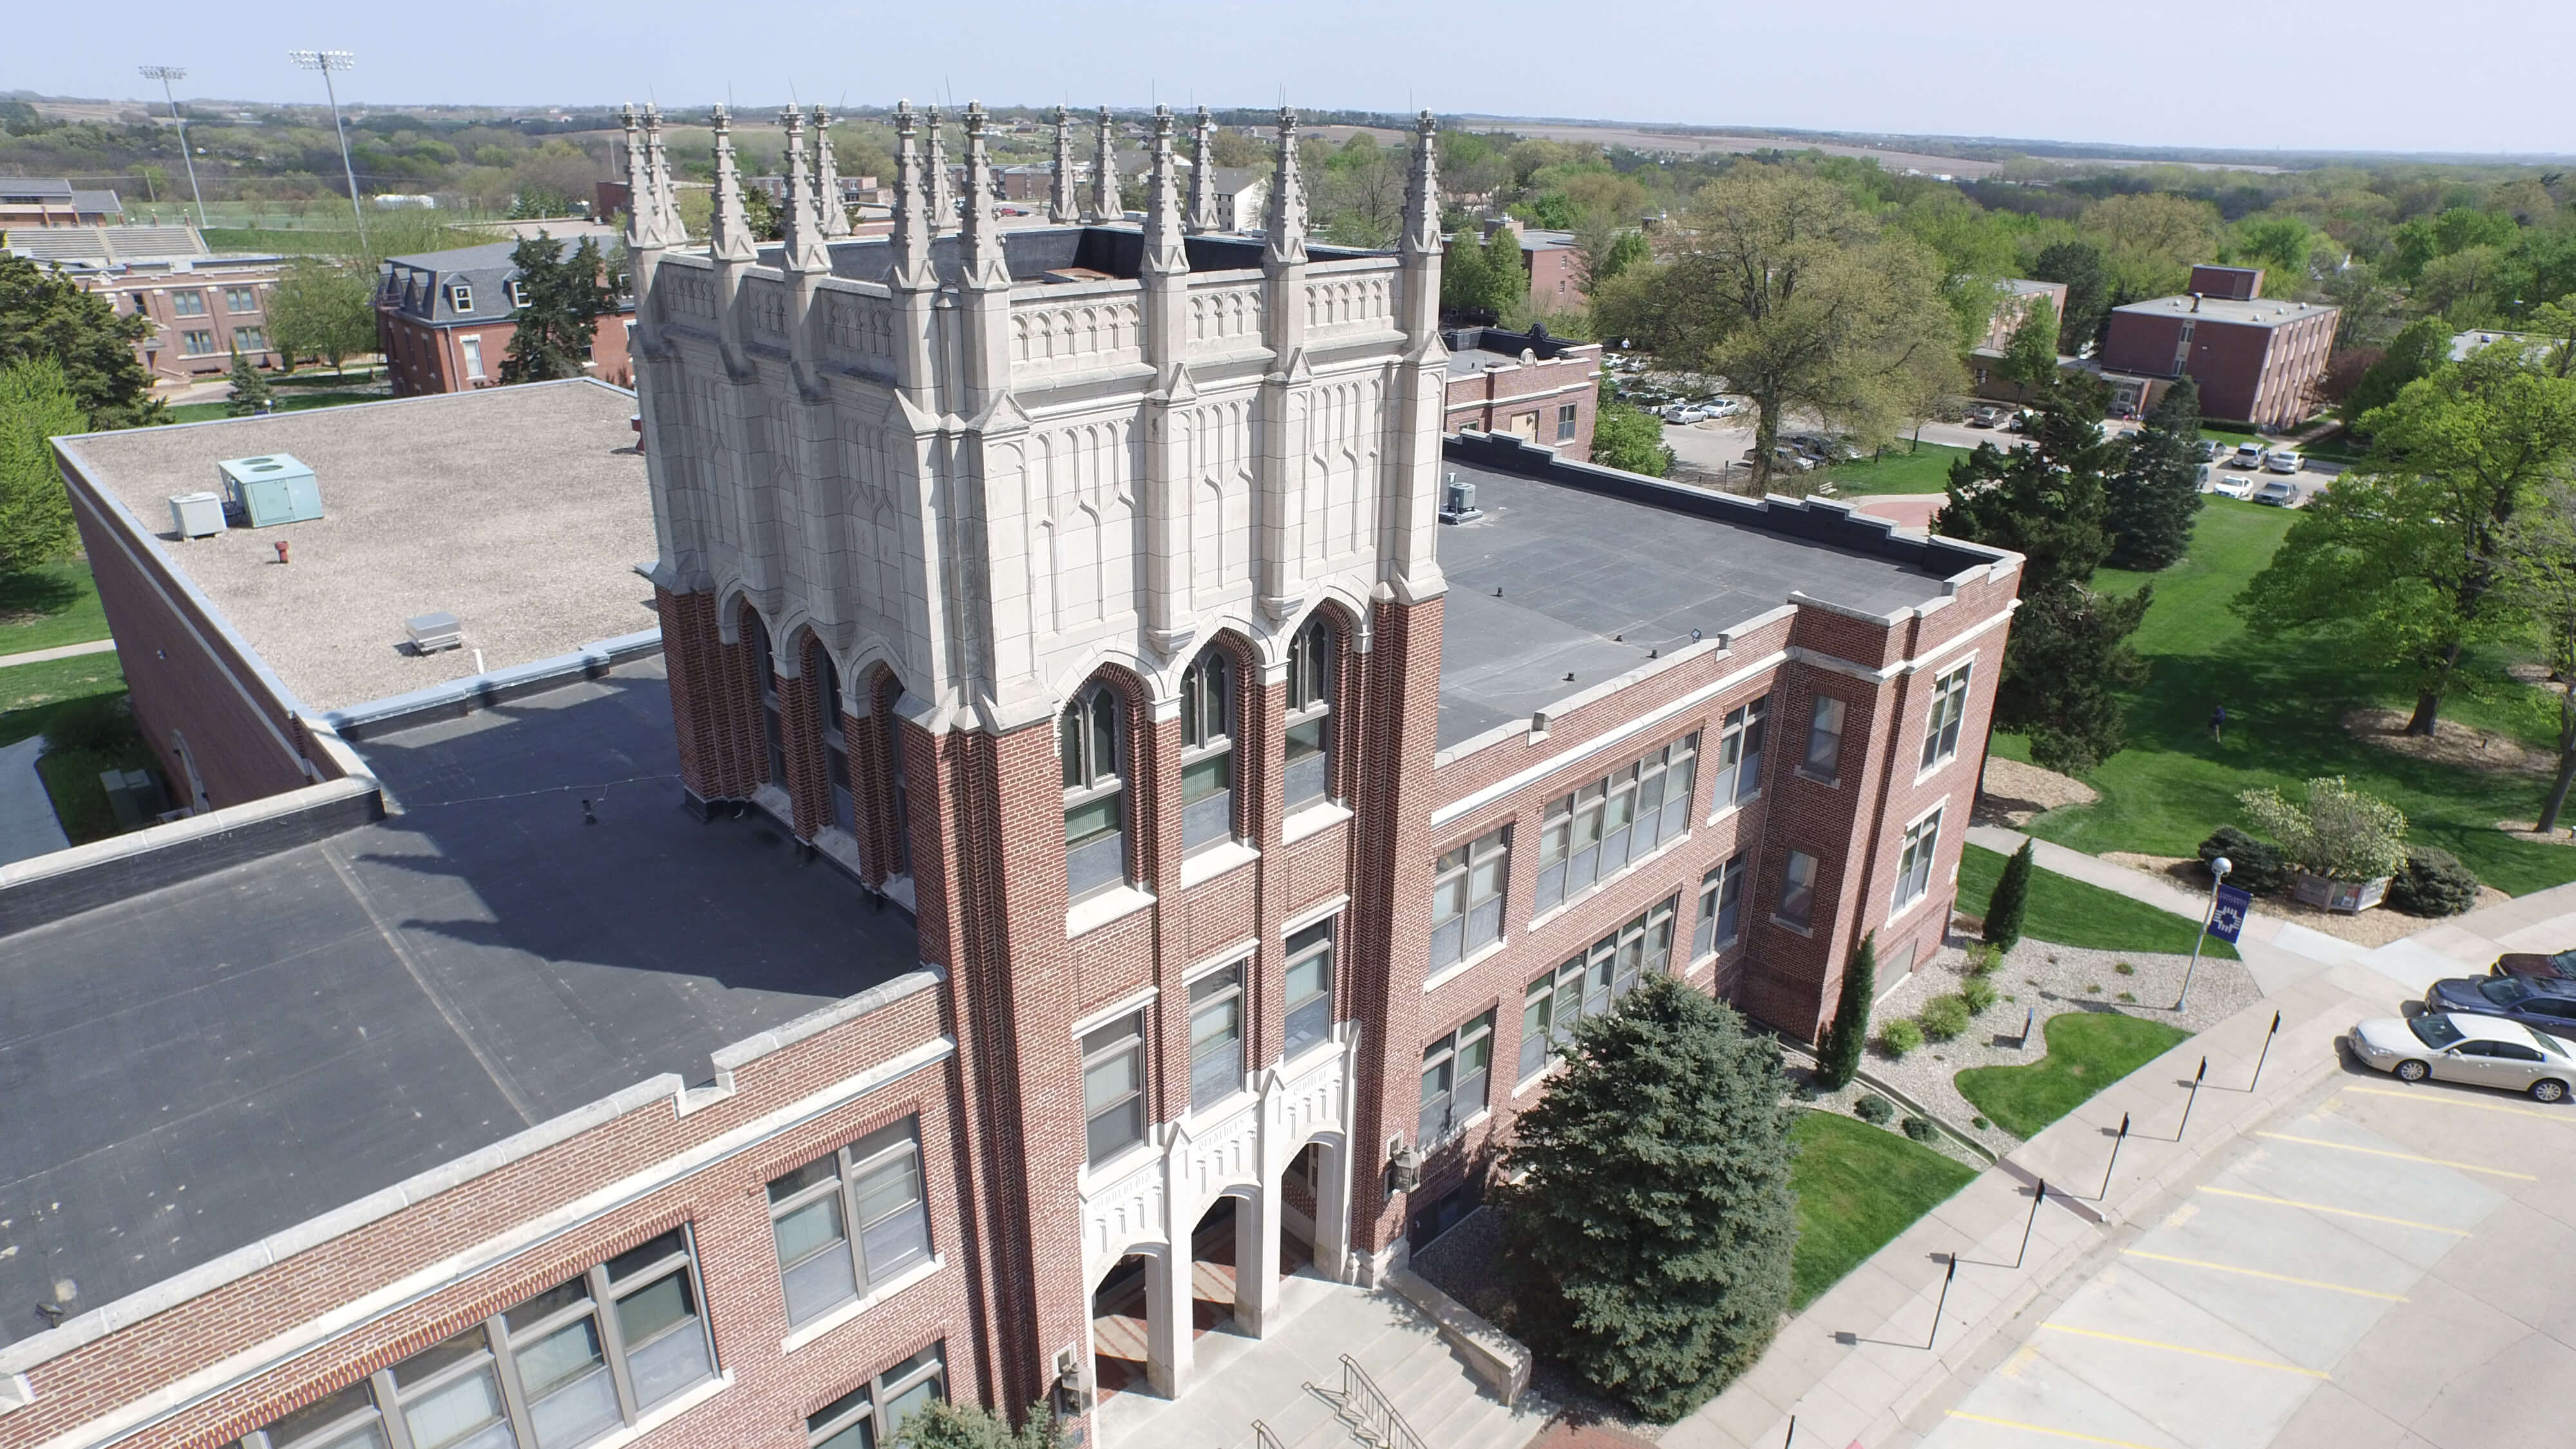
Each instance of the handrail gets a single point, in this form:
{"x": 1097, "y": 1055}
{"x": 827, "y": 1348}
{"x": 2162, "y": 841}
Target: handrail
{"x": 1376, "y": 1414}
{"x": 1262, "y": 1438}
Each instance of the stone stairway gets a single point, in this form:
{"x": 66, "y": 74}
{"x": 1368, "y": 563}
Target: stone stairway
{"x": 1426, "y": 1383}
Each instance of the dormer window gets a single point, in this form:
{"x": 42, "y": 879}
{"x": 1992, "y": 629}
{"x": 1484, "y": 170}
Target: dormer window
{"x": 460, "y": 297}
{"x": 518, "y": 293}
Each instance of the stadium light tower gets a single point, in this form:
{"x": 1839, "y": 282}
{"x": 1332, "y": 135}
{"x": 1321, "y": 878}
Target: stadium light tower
{"x": 327, "y": 61}
{"x": 166, "y": 74}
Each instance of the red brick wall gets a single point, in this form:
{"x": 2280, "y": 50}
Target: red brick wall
{"x": 1491, "y": 401}
{"x": 421, "y": 358}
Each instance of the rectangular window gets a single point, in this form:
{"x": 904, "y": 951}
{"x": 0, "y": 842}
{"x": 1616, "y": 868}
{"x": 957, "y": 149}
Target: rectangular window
{"x": 1591, "y": 982}
{"x": 197, "y": 344}
{"x": 1797, "y": 904}
{"x": 1456, "y": 1073}
{"x": 1824, "y": 741}
{"x": 1739, "y": 753}
{"x": 1308, "y": 774}
{"x": 251, "y": 339}
{"x": 1207, "y": 752}
{"x": 1914, "y": 865}
{"x": 241, "y": 299}
{"x": 1309, "y": 989}
{"x": 518, "y": 293}
{"x": 1113, "y": 1087}
{"x": 1594, "y": 833}
{"x": 473, "y": 350}
{"x": 187, "y": 304}
{"x": 1216, "y": 1037}
{"x": 1949, "y": 707}
{"x": 460, "y": 297}
{"x": 1565, "y": 415}
{"x": 872, "y": 1185}
{"x": 1467, "y": 898}
{"x": 870, "y": 1415}
{"x": 1721, "y": 908}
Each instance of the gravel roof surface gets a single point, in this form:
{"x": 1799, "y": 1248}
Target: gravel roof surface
{"x": 521, "y": 510}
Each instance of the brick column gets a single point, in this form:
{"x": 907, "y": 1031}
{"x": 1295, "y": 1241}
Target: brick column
{"x": 715, "y": 706}
{"x": 809, "y": 768}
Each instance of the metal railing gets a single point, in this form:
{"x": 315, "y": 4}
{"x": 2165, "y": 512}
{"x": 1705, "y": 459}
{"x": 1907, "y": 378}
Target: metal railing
{"x": 1367, "y": 1409}
{"x": 1262, "y": 1438}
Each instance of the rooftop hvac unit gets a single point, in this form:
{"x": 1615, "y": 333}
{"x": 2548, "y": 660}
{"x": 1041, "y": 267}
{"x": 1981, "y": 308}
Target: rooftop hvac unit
{"x": 271, "y": 489}
{"x": 1458, "y": 501}
{"x": 197, "y": 515}
{"x": 433, "y": 632}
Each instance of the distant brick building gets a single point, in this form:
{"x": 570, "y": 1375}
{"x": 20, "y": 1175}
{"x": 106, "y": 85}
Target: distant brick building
{"x": 202, "y": 306}
{"x": 443, "y": 321}
{"x": 2256, "y": 362}
{"x": 1541, "y": 388}
{"x": 27, "y": 201}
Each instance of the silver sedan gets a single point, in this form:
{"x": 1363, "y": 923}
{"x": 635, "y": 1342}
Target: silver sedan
{"x": 2485, "y": 1051}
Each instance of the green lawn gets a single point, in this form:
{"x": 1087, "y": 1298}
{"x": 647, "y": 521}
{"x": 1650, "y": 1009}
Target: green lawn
{"x": 2172, "y": 786}
{"x": 1901, "y": 470}
{"x": 286, "y": 402}
{"x": 2070, "y": 913}
{"x": 1858, "y": 1186}
{"x": 28, "y": 691}
{"x": 49, "y": 606}
{"x": 2087, "y": 1051}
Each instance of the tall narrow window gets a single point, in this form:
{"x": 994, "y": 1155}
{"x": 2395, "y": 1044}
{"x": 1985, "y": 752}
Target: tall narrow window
{"x": 1914, "y": 865}
{"x": 1824, "y": 759}
{"x": 1113, "y": 1087}
{"x": 1216, "y": 1037}
{"x": 869, "y": 1416}
{"x": 1739, "y": 754}
{"x": 450, "y": 1395}
{"x": 241, "y": 299}
{"x": 1797, "y": 905}
{"x": 1456, "y": 1075}
{"x": 826, "y": 681}
{"x": 1089, "y": 736}
{"x": 1949, "y": 707}
{"x": 1566, "y": 414}
{"x": 1721, "y": 908}
{"x": 188, "y": 304}
{"x": 848, "y": 1223}
{"x": 1309, "y": 762}
{"x": 1467, "y": 898}
{"x": 773, "y": 738}
{"x": 1309, "y": 989}
{"x": 1596, "y": 832}
{"x": 473, "y": 349}
{"x": 1207, "y": 751}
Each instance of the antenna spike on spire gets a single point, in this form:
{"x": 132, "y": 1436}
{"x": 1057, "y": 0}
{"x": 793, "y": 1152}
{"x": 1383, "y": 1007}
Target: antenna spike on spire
{"x": 943, "y": 198}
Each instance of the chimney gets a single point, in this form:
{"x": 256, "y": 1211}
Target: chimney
{"x": 2195, "y": 301}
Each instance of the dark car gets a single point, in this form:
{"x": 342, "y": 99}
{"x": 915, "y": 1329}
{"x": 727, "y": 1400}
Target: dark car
{"x": 2559, "y": 966}
{"x": 2548, "y": 1005}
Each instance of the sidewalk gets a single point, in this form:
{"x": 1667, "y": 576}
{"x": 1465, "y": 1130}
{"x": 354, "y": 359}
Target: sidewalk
{"x": 2266, "y": 944}
{"x": 64, "y": 651}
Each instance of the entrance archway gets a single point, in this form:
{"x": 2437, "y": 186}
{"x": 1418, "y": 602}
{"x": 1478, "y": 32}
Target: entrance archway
{"x": 1124, "y": 1348}
{"x": 1219, "y": 1268}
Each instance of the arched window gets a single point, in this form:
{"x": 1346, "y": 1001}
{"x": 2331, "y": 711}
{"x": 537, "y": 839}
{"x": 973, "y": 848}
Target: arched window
{"x": 1090, "y": 736}
{"x": 755, "y": 634}
{"x": 836, "y": 739}
{"x": 1309, "y": 773}
{"x": 1207, "y": 751}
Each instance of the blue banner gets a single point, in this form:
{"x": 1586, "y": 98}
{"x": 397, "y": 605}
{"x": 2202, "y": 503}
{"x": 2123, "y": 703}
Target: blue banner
{"x": 2229, "y": 919}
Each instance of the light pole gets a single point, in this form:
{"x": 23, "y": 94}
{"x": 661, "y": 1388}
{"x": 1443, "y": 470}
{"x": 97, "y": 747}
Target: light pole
{"x": 327, "y": 61}
{"x": 2218, "y": 870}
{"x": 166, "y": 74}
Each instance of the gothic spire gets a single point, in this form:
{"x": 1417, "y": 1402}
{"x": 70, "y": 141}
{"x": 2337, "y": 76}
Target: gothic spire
{"x": 827, "y": 179}
{"x": 943, "y": 199}
{"x": 985, "y": 265}
{"x": 1106, "y": 203}
{"x": 1202, "y": 186}
{"x": 912, "y": 231}
{"x": 728, "y": 233}
{"x": 1062, "y": 209}
{"x": 1422, "y": 191}
{"x": 639, "y": 181}
{"x": 1163, "y": 220}
{"x": 663, "y": 229}
{"x": 1287, "y": 225}
{"x": 801, "y": 222}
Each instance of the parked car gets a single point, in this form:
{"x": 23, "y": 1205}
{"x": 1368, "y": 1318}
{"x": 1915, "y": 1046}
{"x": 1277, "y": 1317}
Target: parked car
{"x": 2557, "y": 966}
{"x": 2229, "y": 484}
{"x": 2020, "y": 421}
{"x": 2545, "y": 1004}
{"x": 1724, "y": 407}
{"x": 1784, "y": 459}
{"x": 2206, "y": 450}
{"x": 2247, "y": 455}
{"x": 2278, "y": 492}
{"x": 2485, "y": 1051}
{"x": 1984, "y": 417}
{"x": 2281, "y": 460}
{"x": 1685, "y": 413}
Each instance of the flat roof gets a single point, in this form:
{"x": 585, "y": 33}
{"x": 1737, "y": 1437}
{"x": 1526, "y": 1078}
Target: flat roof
{"x": 1591, "y": 583}
{"x": 520, "y": 510}
{"x": 195, "y": 1068}
{"x": 2258, "y": 312}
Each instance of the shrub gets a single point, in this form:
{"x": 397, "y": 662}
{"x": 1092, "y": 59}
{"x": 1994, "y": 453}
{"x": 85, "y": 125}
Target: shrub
{"x": 2337, "y": 832}
{"x": 1980, "y": 1123}
{"x": 1873, "y": 1109}
{"x": 2258, "y": 867}
{"x": 1943, "y": 1017}
{"x": 1918, "y": 1128}
{"x": 2011, "y": 900}
{"x": 1983, "y": 958}
{"x": 1839, "y": 1062}
{"x": 1898, "y": 1037}
{"x": 102, "y": 724}
{"x": 2432, "y": 883}
{"x": 1978, "y": 993}
{"x": 941, "y": 1424}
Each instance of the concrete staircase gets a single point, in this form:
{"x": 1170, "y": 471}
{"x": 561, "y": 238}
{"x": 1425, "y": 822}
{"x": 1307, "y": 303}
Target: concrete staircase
{"x": 1436, "y": 1402}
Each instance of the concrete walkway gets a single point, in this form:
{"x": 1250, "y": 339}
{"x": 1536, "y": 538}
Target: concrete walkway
{"x": 65, "y": 651}
{"x": 2274, "y": 963}
{"x": 28, "y": 826}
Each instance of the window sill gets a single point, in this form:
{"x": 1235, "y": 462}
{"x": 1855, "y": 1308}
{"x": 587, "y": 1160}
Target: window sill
{"x": 1458, "y": 1134}
{"x": 1635, "y": 864}
{"x": 1320, "y": 1051}
{"x": 1740, "y": 801}
{"x": 1093, "y": 912}
{"x": 1784, "y": 923}
{"x": 1907, "y": 909}
{"x": 1705, "y": 962}
{"x": 1127, "y": 1160}
{"x": 1312, "y": 819}
{"x": 917, "y": 1273}
{"x": 1464, "y": 964}
{"x": 1215, "y": 861}
{"x": 663, "y": 1413}
{"x": 1936, "y": 767}
{"x": 1830, "y": 782}
{"x": 1540, "y": 1077}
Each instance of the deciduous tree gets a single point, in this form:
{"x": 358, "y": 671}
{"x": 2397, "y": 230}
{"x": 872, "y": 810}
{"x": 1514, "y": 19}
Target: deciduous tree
{"x": 2080, "y": 266}
{"x": 2030, "y": 357}
{"x": 2540, "y": 574}
{"x": 322, "y": 309}
{"x": 44, "y": 314}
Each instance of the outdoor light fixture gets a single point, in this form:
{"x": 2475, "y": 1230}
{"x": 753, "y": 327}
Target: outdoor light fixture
{"x": 1404, "y": 1166}
{"x": 166, "y": 74}
{"x": 2219, "y": 866}
{"x": 327, "y": 61}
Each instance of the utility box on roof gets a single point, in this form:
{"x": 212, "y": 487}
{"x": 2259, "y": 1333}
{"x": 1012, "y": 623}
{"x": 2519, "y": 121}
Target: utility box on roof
{"x": 270, "y": 489}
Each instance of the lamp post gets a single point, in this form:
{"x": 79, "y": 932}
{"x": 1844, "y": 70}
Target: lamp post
{"x": 327, "y": 61}
{"x": 2218, "y": 870}
{"x": 166, "y": 74}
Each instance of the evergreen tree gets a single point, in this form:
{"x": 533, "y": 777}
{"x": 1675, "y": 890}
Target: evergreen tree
{"x": 2011, "y": 900}
{"x": 43, "y": 313}
{"x": 250, "y": 389}
{"x": 2069, "y": 649}
{"x": 566, "y": 297}
{"x": 2154, "y": 497}
{"x": 2030, "y": 358}
{"x": 1839, "y": 1062}
{"x": 1653, "y": 1229}
{"x": 35, "y": 512}
{"x": 2087, "y": 275}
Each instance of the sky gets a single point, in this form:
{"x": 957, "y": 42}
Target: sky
{"x": 2359, "y": 75}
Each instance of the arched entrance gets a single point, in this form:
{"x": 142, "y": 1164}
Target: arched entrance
{"x": 1221, "y": 1271}
{"x": 1128, "y": 1355}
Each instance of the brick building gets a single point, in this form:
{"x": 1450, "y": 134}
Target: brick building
{"x": 37, "y": 201}
{"x": 1541, "y": 388}
{"x": 2257, "y": 362}
{"x": 443, "y": 321}
{"x": 202, "y": 306}
{"x": 2015, "y": 299}
{"x": 1200, "y": 829}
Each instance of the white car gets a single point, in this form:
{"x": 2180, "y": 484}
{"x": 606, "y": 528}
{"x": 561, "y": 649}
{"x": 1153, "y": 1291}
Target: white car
{"x": 2247, "y": 455}
{"x": 2281, "y": 460}
{"x": 2485, "y": 1051}
{"x": 1685, "y": 413}
{"x": 2226, "y": 484}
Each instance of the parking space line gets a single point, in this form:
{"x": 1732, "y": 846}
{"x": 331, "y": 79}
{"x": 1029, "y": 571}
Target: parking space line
{"x": 2400, "y": 1156}
{"x": 2259, "y": 1273}
{"x": 2318, "y": 1207}
{"x": 2444, "y": 1099}
{"x": 2044, "y": 1429}
{"x": 2210, "y": 1353}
